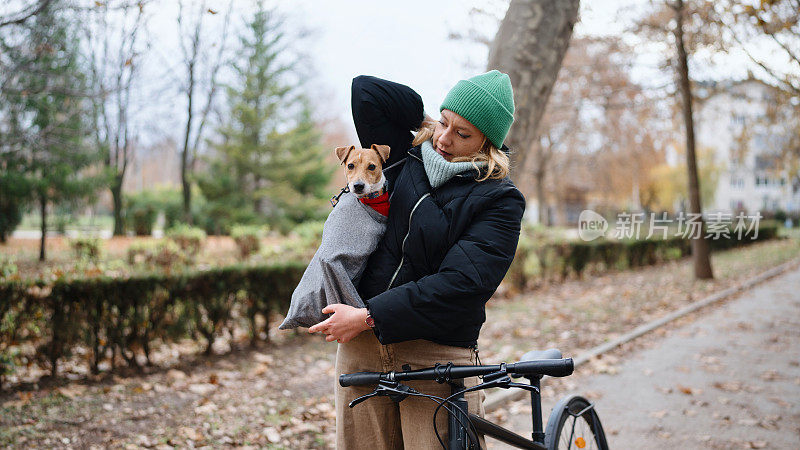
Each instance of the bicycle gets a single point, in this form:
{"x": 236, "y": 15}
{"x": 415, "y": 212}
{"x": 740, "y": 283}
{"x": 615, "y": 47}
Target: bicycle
{"x": 583, "y": 431}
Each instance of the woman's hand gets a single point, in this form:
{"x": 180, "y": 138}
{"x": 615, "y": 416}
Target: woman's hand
{"x": 345, "y": 323}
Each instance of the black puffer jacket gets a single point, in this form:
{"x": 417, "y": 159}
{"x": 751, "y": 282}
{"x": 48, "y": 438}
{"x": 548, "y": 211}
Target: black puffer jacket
{"x": 445, "y": 250}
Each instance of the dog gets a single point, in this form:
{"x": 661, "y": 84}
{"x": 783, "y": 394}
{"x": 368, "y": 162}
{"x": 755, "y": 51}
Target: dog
{"x": 350, "y": 234}
{"x": 364, "y": 174}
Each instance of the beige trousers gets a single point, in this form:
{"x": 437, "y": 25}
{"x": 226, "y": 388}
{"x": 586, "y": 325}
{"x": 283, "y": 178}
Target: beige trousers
{"x": 380, "y": 423}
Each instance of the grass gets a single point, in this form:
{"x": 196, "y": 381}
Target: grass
{"x": 793, "y": 233}
{"x": 49, "y": 408}
{"x": 34, "y": 222}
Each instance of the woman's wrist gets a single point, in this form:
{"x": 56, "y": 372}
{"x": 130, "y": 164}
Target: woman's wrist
{"x": 364, "y": 313}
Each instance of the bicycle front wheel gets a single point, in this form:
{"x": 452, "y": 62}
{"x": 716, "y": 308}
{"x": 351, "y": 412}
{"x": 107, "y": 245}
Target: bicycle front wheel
{"x": 574, "y": 424}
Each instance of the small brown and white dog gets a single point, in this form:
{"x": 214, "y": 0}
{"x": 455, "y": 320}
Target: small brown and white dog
{"x": 363, "y": 170}
{"x": 337, "y": 265}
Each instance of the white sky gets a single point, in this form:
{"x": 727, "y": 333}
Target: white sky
{"x": 406, "y": 41}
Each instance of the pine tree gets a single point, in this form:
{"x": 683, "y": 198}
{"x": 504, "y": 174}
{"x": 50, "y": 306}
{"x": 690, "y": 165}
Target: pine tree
{"x": 13, "y": 192}
{"x": 269, "y": 146}
{"x": 299, "y": 181}
{"x": 14, "y": 186}
{"x": 48, "y": 97}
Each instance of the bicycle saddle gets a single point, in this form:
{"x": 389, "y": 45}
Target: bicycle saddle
{"x": 533, "y": 355}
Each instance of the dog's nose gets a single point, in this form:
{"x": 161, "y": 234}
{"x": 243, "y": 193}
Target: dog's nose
{"x": 358, "y": 187}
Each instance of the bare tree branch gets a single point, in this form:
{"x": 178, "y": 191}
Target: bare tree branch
{"x": 769, "y": 71}
{"x": 789, "y": 51}
{"x": 27, "y": 14}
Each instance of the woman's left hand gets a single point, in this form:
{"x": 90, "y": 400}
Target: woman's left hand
{"x": 345, "y": 323}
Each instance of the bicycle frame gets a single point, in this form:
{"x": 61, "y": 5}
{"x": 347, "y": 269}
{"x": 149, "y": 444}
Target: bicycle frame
{"x": 458, "y": 435}
{"x": 499, "y": 375}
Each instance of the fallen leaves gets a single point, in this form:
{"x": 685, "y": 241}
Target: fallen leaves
{"x": 770, "y": 375}
{"x": 728, "y": 386}
{"x": 202, "y": 388}
{"x": 272, "y": 435}
{"x": 23, "y": 398}
{"x": 689, "y": 391}
{"x": 190, "y": 433}
{"x": 175, "y": 375}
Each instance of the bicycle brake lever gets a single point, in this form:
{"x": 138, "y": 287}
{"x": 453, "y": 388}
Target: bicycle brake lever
{"x": 527, "y": 387}
{"x": 362, "y": 398}
{"x": 505, "y": 383}
{"x": 395, "y": 391}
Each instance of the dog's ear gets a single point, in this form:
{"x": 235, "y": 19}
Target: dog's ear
{"x": 343, "y": 152}
{"x": 383, "y": 151}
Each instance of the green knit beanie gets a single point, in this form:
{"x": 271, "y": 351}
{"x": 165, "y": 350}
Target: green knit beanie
{"x": 486, "y": 101}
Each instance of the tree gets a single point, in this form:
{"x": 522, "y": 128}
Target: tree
{"x": 48, "y": 100}
{"x": 202, "y": 69}
{"x": 298, "y": 188}
{"x": 20, "y": 17}
{"x": 14, "y": 186}
{"x": 666, "y": 186}
{"x": 688, "y": 28}
{"x": 701, "y": 251}
{"x": 115, "y": 51}
{"x": 530, "y": 45}
{"x": 14, "y": 191}
{"x": 768, "y": 32}
{"x": 597, "y": 133}
{"x": 269, "y": 144}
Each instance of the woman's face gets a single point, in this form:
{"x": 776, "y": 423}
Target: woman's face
{"x": 454, "y": 136}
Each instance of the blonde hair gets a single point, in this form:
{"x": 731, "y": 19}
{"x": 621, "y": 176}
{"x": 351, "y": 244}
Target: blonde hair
{"x": 497, "y": 162}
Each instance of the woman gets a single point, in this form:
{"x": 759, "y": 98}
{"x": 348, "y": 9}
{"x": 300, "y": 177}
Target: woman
{"x": 452, "y": 231}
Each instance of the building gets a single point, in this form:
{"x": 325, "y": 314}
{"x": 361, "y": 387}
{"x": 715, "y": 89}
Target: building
{"x": 748, "y": 131}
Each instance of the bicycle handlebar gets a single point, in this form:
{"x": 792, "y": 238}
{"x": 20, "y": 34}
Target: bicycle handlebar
{"x": 551, "y": 367}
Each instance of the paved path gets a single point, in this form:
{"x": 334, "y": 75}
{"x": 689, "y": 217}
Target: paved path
{"x": 728, "y": 379}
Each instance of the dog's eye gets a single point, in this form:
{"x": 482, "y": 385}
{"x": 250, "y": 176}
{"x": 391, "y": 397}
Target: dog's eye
{"x": 350, "y": 166}
{"x": 371, "y": 167}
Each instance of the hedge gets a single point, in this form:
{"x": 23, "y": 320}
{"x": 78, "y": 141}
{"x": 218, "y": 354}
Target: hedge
{"x": 114, "y": 316}
{"x": 122, "y": 316}
{"x": 537, "y": 261}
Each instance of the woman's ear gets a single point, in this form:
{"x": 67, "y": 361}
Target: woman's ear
{"x": 343, "y": 152}
{"x": 383, "y": 151}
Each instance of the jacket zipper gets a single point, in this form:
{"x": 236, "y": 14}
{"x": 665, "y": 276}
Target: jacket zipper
{"x": 403, "y": 245}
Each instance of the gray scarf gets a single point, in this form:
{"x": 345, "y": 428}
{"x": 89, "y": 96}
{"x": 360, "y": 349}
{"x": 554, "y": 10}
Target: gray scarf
{"x": 440, "y": 170}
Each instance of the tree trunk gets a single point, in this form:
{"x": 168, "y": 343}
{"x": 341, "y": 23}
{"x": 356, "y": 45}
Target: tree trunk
{"x": 43, "y": 209}
{"x": 542, "y": 205}
{"x": 258, "y": 203}
{"x": 185, "y": 163}
{"x": 116, "y": 196}
{"x": 529, "y": 46}
{"x": 700, "y": 249}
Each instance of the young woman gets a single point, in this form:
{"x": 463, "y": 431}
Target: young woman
{"x": 452, "y": 231}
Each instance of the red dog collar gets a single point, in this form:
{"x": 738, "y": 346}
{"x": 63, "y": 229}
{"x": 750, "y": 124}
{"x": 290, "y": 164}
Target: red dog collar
{"x": 379, "y": 203}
